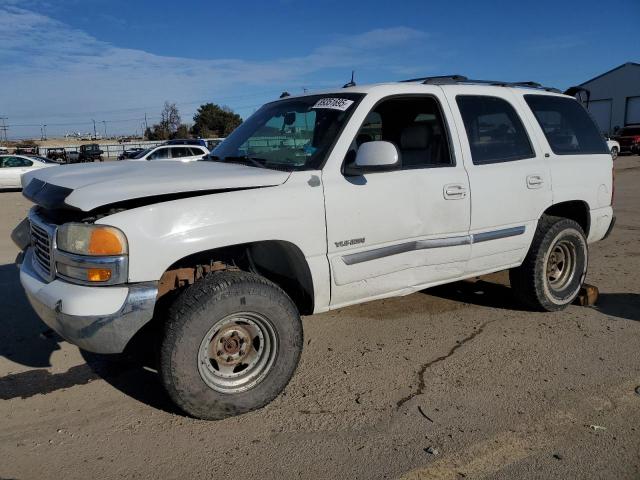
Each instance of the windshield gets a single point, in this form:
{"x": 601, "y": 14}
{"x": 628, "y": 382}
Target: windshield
{"x": 291, "y": 134}
{"x": 628, "y": 131}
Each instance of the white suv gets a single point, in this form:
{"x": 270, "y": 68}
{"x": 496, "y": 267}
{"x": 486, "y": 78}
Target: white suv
{"x": 315, "y": 202}
{"x": 183, "y": 153}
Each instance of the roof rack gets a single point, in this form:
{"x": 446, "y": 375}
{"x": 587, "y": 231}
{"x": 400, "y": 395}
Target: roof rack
{"x": 461, "y": 79}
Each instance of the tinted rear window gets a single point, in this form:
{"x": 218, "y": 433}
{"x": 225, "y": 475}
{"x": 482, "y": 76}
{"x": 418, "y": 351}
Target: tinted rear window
{"x": 494, "y": 129}
{"x": 567, "y": 125}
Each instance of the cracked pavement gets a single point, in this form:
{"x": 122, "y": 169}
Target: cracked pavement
{"x": 454, "y": 382}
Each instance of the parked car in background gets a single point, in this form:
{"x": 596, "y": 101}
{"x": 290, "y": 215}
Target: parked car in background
{"x": 187, "y": 141}
{"x": 73, "y": 157}
{"x": 3, "y": 150}
{"x": 183, "y": 153}
{"x": 629, "y": 139}
{"x": 614, "y": 147}
{"x": 90, "y": 153}
{"x": 130, "y": 153}
{"x": 57, "y": 154}
{"x": 13, "y": 166}
{"x": 26, "y": 149}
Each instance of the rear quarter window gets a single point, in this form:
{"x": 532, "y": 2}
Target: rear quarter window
{"x": 567, "y": 126}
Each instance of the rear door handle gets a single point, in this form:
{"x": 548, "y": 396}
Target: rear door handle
{"x": 454, "y": 191}
{"x": 534, "y": 181}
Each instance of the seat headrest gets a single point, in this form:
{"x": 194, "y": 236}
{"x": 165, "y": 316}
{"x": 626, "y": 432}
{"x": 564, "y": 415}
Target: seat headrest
{"x": 415, "y": 137}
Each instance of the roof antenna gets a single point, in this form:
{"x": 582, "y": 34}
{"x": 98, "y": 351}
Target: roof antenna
{"x": 285, "y": 95}
{"x": 352, "y": 83}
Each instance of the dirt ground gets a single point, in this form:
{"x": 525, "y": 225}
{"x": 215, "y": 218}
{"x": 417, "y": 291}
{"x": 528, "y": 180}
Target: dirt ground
{"x": 453, "y": 382}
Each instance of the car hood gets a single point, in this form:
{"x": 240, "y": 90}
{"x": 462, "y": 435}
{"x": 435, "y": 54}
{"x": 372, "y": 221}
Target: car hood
{"x": 86, "y": 187}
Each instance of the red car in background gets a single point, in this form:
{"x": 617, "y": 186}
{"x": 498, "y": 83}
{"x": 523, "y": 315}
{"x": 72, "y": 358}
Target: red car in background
{"x": 629, "y": 139}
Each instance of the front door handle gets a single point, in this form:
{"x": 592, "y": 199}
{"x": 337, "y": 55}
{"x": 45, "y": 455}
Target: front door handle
{"x": 454, "y": 191}
{"x": 534, "y": 181}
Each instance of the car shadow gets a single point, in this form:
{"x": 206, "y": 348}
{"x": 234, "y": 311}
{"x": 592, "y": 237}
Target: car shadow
{"x": 133, "y": 377}
{"x": 25, "y": 340}
{"x": 621, "y": 305}
{"x": 482, "y": 292}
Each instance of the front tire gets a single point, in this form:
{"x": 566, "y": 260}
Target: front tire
{"x": 231, "y": 344}
{"x": 555, "y": 267}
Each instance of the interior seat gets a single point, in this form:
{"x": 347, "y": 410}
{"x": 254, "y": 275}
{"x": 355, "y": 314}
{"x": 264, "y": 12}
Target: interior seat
{"x": 415, "y": 145}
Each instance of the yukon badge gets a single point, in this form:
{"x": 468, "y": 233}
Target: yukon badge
{"x": 346, "y": 243}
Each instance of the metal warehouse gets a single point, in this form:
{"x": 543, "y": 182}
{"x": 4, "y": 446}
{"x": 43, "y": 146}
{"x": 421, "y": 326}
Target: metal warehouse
{"x": 615, "y": 97}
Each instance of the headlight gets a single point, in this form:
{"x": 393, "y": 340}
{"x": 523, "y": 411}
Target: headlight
{"x": 91, "y": 254}
{"x": 95, "y": 240}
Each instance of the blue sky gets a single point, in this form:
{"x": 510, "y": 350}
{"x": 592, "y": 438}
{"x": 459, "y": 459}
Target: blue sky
{"x": 66, "y": 62}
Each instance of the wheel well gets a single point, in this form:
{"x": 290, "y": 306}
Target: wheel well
{"x": 576, "y": 210}
{"x": 281, "y": 262}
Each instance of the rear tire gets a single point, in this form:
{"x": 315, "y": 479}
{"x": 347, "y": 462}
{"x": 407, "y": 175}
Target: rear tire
{"x": 614, "y": 153}
{"x": 231, "y": 344}
{"x": 553, "y": 271}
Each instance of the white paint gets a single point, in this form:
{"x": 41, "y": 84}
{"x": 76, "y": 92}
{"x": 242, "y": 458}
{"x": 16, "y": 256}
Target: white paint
{"x": 322, "y": 218}
{"x": 10, "y": 176}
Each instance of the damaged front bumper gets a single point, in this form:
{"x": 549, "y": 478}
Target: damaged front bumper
{"x": 96, "y": 319}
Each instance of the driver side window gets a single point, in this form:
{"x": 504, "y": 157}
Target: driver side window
{"x": 160, "y": 154}
{"x": 414, "y": 125}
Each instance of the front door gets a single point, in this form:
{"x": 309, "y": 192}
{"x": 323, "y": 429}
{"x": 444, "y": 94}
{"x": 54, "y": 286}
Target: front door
{"x": 398, "y": 231}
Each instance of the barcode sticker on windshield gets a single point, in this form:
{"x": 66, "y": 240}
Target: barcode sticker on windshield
{"x": 333, "y": 103}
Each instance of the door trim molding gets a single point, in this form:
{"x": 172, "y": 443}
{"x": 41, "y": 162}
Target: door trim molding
{"x": 377, "y": 253}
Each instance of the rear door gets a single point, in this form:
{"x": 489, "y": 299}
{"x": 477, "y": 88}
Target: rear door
{"x": 181, "y": 153}
{"x": 508, "y": 174}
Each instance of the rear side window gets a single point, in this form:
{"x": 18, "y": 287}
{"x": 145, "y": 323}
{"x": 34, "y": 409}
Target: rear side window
{"x": 494, "y": 129}
{"x": 567, "y": 125}
{"x": 180, "y": 152}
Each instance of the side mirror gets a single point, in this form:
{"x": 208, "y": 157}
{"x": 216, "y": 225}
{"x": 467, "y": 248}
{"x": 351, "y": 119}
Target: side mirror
{"x": 377, "y": 156}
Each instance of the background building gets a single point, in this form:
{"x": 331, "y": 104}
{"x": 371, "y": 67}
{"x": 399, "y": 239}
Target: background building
{"x": 615, "y": 97}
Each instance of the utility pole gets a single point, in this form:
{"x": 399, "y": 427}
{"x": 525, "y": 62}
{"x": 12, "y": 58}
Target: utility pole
{"x": 105, "y": 128}
{"x": 45, "y": 131}
{"x": 3, "y": 128}
{"x": 94, "y": 129}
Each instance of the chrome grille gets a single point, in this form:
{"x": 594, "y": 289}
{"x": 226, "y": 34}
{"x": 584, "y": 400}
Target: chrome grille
{"x": 41, "y": 240}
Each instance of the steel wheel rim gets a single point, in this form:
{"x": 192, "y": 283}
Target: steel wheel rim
{"x": 237, "y": 352}
{"x": 561, "y": 265}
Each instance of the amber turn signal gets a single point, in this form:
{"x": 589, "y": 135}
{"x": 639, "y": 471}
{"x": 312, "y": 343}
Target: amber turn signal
{"x": 105, "y": 241}
{"x": 98, "y": 274}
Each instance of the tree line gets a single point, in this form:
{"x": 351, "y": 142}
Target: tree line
{"x": 210, "y": 120}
